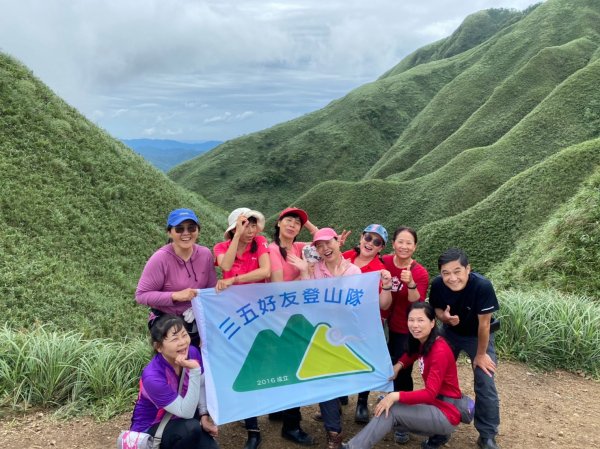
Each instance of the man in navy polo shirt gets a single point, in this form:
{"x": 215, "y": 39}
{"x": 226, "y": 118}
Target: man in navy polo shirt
{"x": 464, "y": 302}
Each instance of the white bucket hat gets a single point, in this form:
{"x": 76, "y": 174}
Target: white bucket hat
{"x": 233, "y": 216}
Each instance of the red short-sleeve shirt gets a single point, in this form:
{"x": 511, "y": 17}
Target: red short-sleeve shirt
{"x": 248, "y": 261}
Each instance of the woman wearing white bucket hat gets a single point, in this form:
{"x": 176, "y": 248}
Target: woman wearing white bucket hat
{"x": 244, "y": 259}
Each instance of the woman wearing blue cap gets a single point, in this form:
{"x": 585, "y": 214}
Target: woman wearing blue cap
{"x": 367, "y": 256}
{"x": 175, "y": 272}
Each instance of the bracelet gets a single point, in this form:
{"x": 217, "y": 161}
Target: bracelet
{"x": 411, "y": 288}
{"x": 386, "y": 289}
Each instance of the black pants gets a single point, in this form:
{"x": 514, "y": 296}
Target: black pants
{"x": 397, "y": 346}
{"x": 291, "y": 418}
{"x": 185, "y": 434}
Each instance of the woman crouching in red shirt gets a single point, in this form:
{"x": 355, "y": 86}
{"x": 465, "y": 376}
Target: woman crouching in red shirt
{"x": 421, "y": 411}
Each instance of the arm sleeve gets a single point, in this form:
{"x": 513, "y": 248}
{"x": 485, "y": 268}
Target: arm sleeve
{"x": 488, "y": 302}
{"x": 275, "y": 257}
{"x": 212, "y": 273}
{"x": 220, "y": 248}
{"x": 149, "y": 289}
{"x": 262, "y": 247}
{"x": 421, "y": 278}
{"x": 202, "y": 406}
{"x": 438, "y": 361}
{"x": 185, "y": 407}
{"x": 407, "y": 360}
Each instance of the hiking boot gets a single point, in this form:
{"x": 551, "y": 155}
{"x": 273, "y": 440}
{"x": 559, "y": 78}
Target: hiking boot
{"x": 362, "y": 413}
{"x": 254, "y": 439}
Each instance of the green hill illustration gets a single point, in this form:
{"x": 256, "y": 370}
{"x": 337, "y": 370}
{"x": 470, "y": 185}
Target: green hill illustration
{"x": 301, "y": 353}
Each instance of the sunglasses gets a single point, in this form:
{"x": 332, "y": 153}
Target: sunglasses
{"x": 180, "y": 229}
{"x": 376, "y": 240}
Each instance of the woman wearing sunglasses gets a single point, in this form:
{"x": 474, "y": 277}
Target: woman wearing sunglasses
{"x": 175, "y": 272}
{"x": 367, "y": 256}
{"x": 410, "y": 281}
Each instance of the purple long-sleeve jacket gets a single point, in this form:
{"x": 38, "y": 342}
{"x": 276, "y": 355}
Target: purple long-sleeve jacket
{"x": 166, "y": 272}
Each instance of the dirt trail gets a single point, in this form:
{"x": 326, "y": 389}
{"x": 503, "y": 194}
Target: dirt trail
{"x": 538, "y": 410}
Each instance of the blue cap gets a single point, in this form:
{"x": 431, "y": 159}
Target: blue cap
{"x": 377, "y": 229}
{"x": 178, "y": 216}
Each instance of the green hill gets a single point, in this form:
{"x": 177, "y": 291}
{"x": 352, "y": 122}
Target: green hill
{"x": 474, "y": 124}
{"x": 80, "y": 214}
{"x": 342, "y": 141}
{"x": 563, "y": 253}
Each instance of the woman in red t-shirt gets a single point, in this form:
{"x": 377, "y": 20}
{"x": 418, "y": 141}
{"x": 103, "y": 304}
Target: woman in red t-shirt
{"x": 244, "y": 259}
{"x": 410, "y": 281}
{"x": 367, "y": 256}
{"x": 423, "y": 411}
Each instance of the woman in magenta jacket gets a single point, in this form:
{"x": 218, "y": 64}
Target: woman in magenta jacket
{"x": 176, "y": 271}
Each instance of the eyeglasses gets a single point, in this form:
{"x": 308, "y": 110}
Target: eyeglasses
{"x": 180, "y": 229}
{"x": 376, "y": 240}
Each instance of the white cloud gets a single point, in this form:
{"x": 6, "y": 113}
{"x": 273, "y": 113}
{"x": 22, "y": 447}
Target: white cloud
{"x": 217, "y": 62}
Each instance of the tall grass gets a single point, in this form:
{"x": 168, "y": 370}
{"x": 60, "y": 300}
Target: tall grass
{"x": 51, "y": 369}
{"x": 545, "y": 329}
{"x": 550, "y": 330}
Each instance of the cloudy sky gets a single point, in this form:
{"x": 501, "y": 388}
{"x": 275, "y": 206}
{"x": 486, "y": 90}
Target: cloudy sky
{"x": 217, "y": 69}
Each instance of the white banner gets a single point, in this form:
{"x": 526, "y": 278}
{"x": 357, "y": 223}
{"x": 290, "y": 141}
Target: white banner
{"x": 270, "y": 347}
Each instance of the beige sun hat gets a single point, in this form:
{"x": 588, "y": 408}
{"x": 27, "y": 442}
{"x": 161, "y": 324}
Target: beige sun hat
{"x": 233, "y": 216}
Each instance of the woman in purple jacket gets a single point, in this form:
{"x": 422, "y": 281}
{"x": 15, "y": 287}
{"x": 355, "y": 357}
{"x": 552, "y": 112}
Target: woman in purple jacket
{"x": 190, "y": 426}
{"x": 174, "y": 273}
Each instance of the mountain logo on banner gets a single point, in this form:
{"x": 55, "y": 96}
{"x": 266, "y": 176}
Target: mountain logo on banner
{"x": 301, "y": 353}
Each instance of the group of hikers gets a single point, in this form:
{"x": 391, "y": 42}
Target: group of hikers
{"x": 461, "y": 300}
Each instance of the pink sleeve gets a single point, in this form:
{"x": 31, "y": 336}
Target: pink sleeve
{"x": 149, "y": 289}
{"x": 220, "y": 248}
{"x": 275, "y": 257}
{"x": 262, "y": 246}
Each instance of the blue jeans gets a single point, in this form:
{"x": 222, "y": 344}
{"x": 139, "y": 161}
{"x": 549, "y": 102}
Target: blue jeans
{"x": 487, "y": 405}
{"x": 330, "y": 411}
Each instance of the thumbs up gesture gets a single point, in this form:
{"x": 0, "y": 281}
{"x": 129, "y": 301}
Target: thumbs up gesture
{"x": 452, "y": 320}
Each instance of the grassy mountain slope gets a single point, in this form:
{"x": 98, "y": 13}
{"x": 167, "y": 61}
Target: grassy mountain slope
{"x": 488, "y": 231}
{"x": 343, "y": 140}
{"x": 549, "y": 25}
{"x": 419, "y": 117}
{"x": 511, "y": 101}
{"x": 563, "y": 253}
{"x": 474, "y": 30}
{"x": 564, "y": 118}
{"x": 80, "y": 214}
